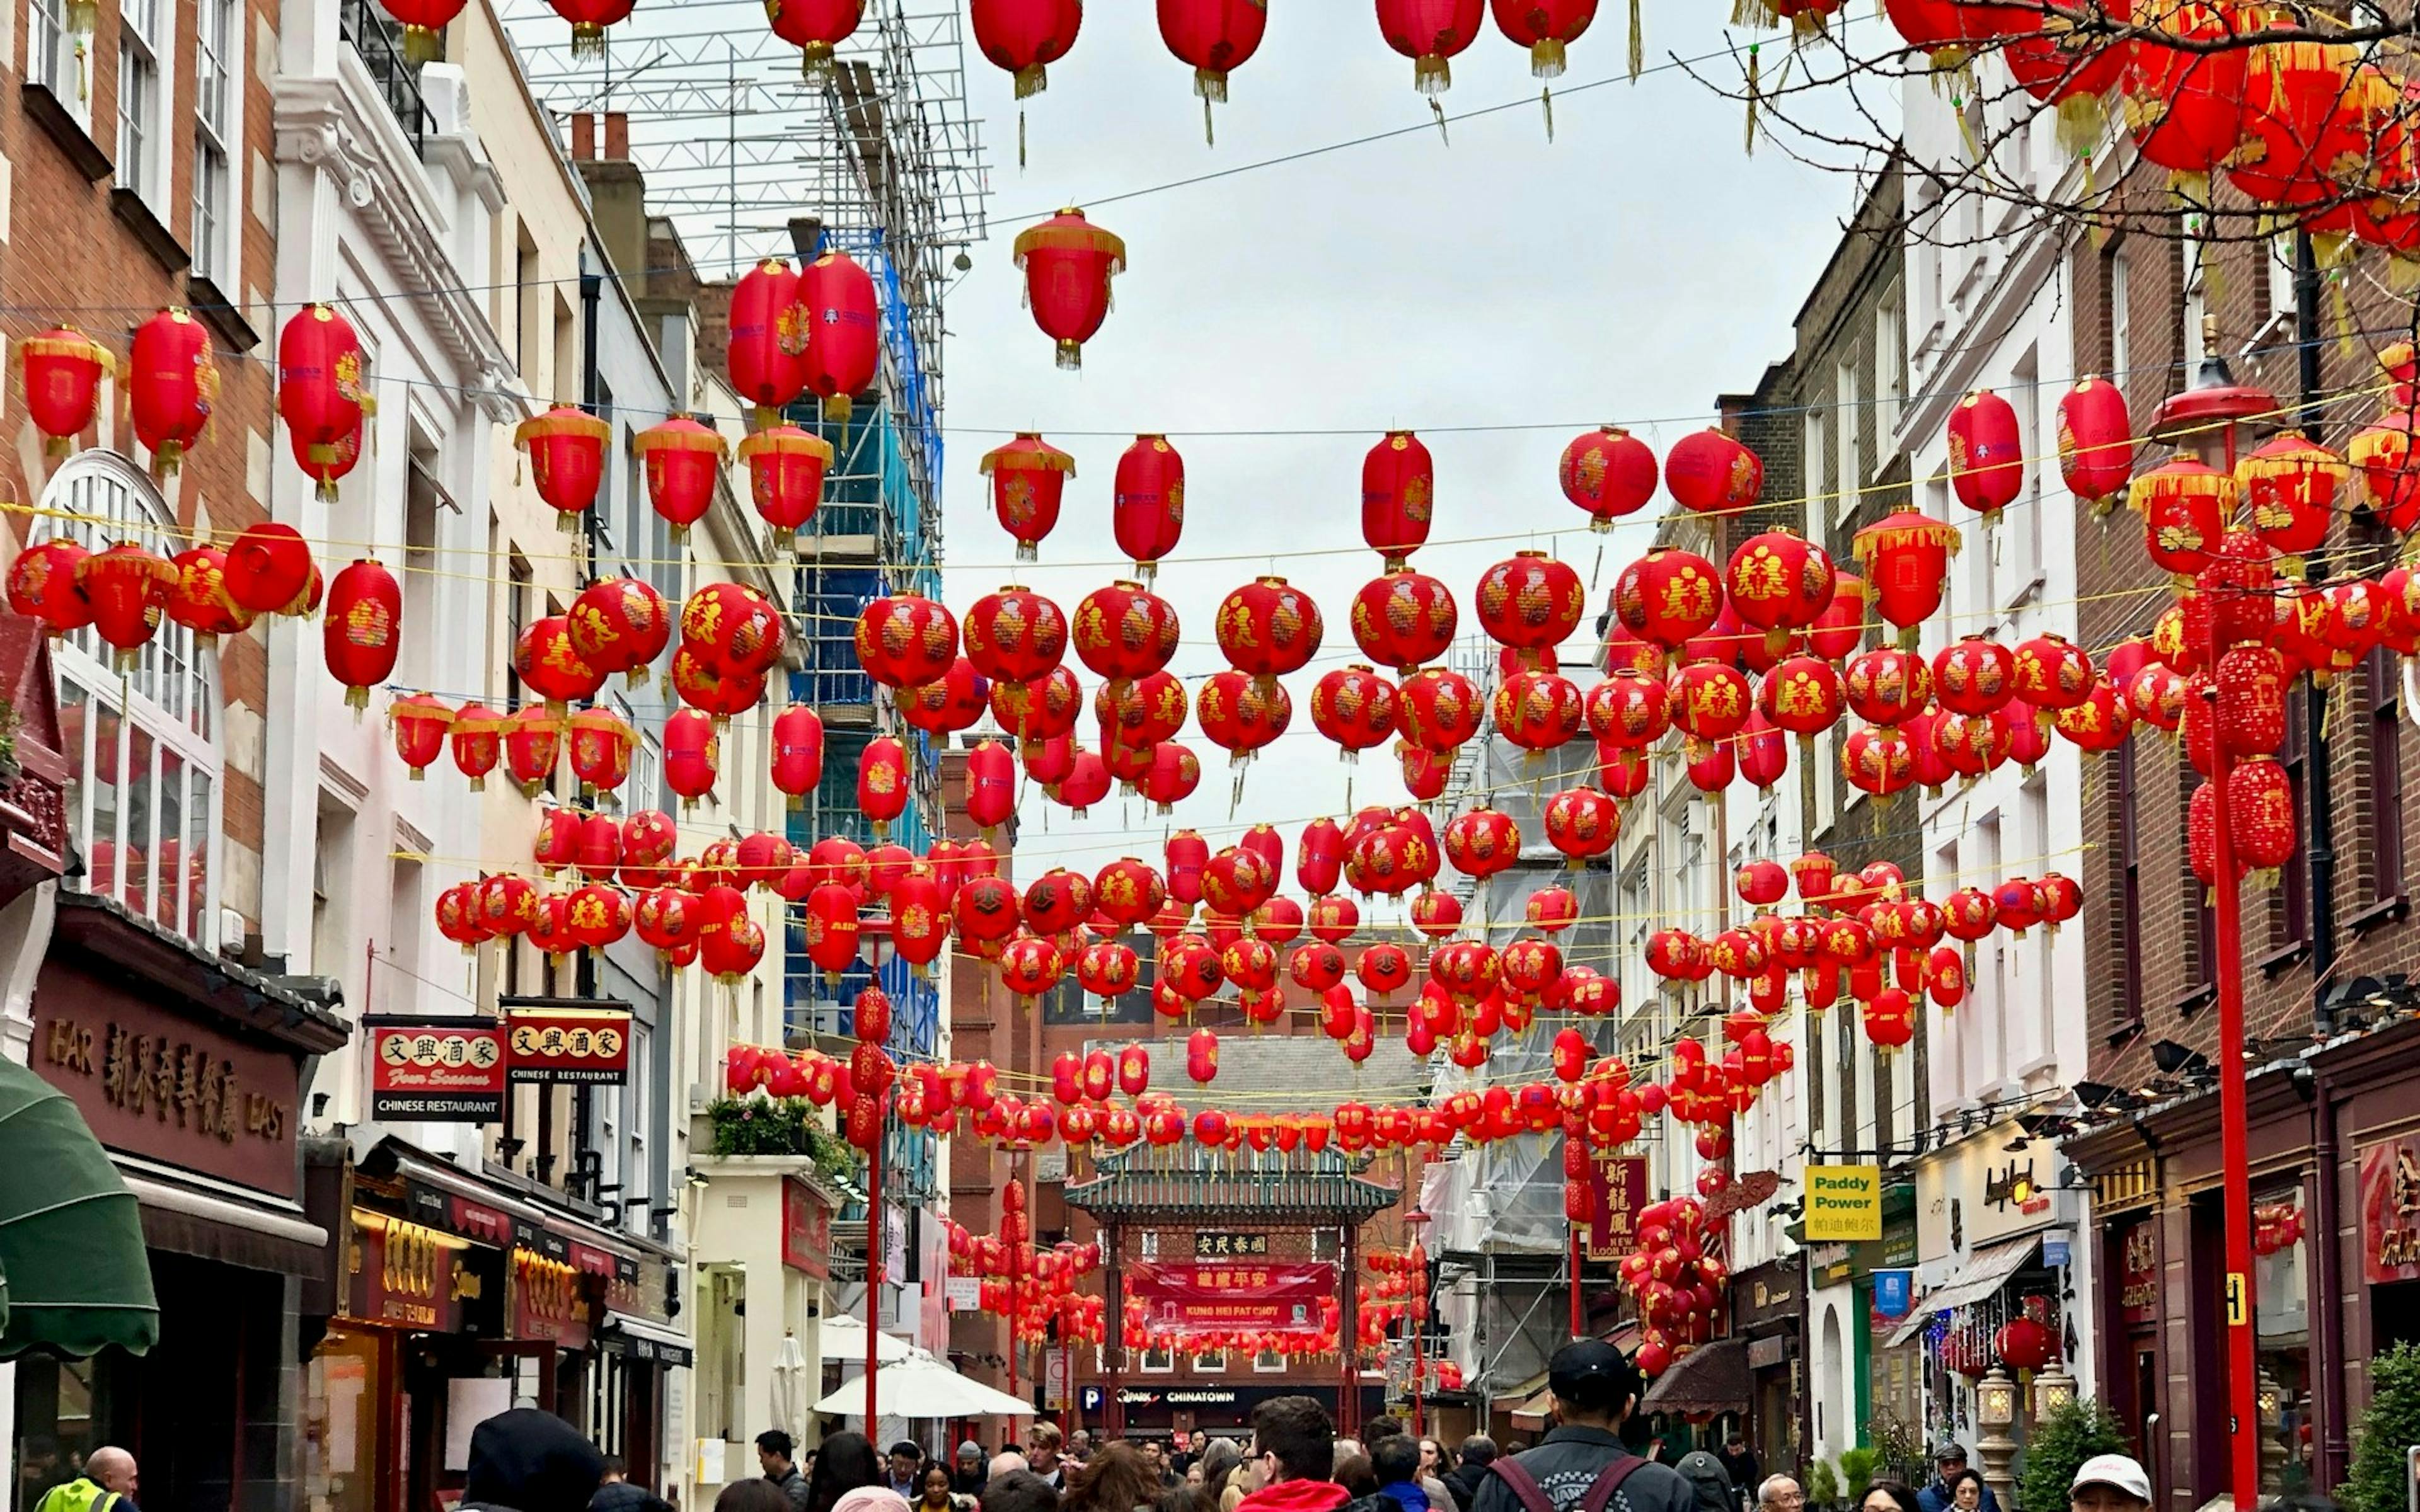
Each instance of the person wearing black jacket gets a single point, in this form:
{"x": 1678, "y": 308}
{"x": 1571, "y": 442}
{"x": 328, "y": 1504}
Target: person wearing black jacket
{"x": 1470, "y": 1468}
{"x": 1593, "y": 1389}
{"x": 526, "y": 1460}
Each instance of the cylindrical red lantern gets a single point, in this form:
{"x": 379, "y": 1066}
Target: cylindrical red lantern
{"x": 1986, "y": 462}
{"x": 2096, "y": 442}
{"x": 844, "y": 331}
{"x": 1025, "y": 36}
{"x": 1147, "y": 498}
{"x": 683, "y": 460}
{"x": 692, "y": 752}
{"x": 361, "y": 628}
{"x": 1028, "y": 477}
{"x": 785, "y": 477}
{"x": 173, "y": 385}
{"x": 1906, "y": 558}
{"x": 321, "y": 385}
{"x": 63, "y": 368}
{"x": 1398, "y": 497}
{"x": 126, "y": 586}
{"x": 567, "y": 453}
{"x": 815, "y": 27}
{"x": 1215, "y": 37}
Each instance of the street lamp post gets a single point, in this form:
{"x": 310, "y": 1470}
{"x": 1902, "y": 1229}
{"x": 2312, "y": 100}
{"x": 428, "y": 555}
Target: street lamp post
{"x": 2206, "y": 419}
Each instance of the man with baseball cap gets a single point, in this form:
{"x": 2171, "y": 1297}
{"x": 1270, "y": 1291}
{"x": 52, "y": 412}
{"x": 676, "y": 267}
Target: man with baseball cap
{"x": 1581, "y": 1465}
{"x": 2110, "y": 1483}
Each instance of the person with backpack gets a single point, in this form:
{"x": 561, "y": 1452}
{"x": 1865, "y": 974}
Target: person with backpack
{"x": 1581, "y": 1465}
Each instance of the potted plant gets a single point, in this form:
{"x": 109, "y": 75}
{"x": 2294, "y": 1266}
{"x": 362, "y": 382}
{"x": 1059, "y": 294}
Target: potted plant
{"x": 2389, "y": 1425}
{"x": 2062, "y": 1442}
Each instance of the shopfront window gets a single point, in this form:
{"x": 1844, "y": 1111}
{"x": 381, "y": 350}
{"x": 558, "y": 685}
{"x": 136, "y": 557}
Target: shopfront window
{"x": 2281, "y": 1315}
{"x": 142, "y": 746}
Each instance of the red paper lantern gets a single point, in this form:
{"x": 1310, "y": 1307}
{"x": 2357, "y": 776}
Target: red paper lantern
{"x": 684, "y": 460}
{"x": 2184, "y": 504}
{"x": 1709, "y": 471}
{"x": 1906, "y": 558}
{"x": 2102, "y": 722}
{"x": 419, "y": 723}
{"x": 360, "y": 631}
{"x": 1355, "y": 707}
{"x": 1403, "y": 620}
{"x": 1267, "y": 630}
{"x": 550, "y": 665}
{"x": 1546, "y": 27}
{"x": 1069, "y": 262}
{"x": 2050, "y": 672}
{"x": 815, "y": 27}
{"x": 476, "y": 740}
{"x": 2096, "y": 440}
{"x": 126, "y": 587}
{"x": 766, "y": 345}
{"x": 2260, "y": 813}
{"x": 1147, "y": 509}
{"x": 1667, "y": 597}
{"x": 269, "y": 569}
{"x": 2291, "y": 485}
{"x": 844, "y": 331}
{"x": 1607, "y": 472}
{"x": 1887, "y": 685}
{"x": 2184, "y": 107}
{"x": 1531, "y": 603}
{"x": 1014, "y": 635}
{"x": 1582, "y": 823}
{"x": 1986, "y": 462}
{"x": 1025, "y": 36}
{"x": 321, "y": 386}
{"x": 1482, "y": 842}
{"x": 1629, "y": 710}
{"x": 1778, "y": 582}
{"x": 946, "y": 706}
{"x": 1876, "y": 761}
{"x": 1710, "y": 701}
{"x": 1802, "y": 694}
{"x": 1974, "y": 676}
{"x": 1430, "y": 32}
{"x": 1437, "y": 709}
{"x": 1537, "y": 711}
{"x": 1215, "y": 37}
{"x": 589, "y": 19}
{"x": 172, "y": 384}
{"x": 63, "y": 368}
{"x": 882, "y": 783}
{"x": 692, "y": 752}
{"x": 2390, "y": 472}
{"x": 785, "y": 477}
{"x": 1125, "y": 631}
{"x": 567, "y": 453}
{"x": 1398, "y": 494}
{"x": 903, "y": 639}
{"x": 1028, "y": 477}
{"x": 620, "y": 624}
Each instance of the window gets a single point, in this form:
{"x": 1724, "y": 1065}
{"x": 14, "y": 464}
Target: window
{"x": 639, "y": 1184}
{"x": 2278, "y": 260}
{"x": 2191, "y": 252}
{"x": 401, "y": 987}
{"x": 1212, "y": 1364}
{"x": 1819, "y": 436}
{"x": 517, "y": 588}
{"x": 2112, "y": 309}
{"x": 2293, "y": 881}
{"x": 1270, "y": 1364}
{"x": 1150, "y": 1248}
{"x": 213, "y": 118}
{"x": 56, "y": 56}
{"x": 420, "y": 497}
{"x": 2385, "y": 778}
{"x": 1158, "y": 1362}
{"x": 1326, "y": 1246}
{"x": 141, "y": 744}
{"x": 1848, "y": 454}
{"x": 2021, "y": 535}
{"x": 1890, "y": 370}
{"x": 2130, "y": 888}
{"x": 139, "y": 95}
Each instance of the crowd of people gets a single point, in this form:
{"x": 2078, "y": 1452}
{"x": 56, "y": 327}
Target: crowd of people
{"x": 1294, "y": 1461}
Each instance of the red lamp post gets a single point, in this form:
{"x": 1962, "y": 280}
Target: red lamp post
{"x": 2206, "y": 419}
{"x": 1419, "y": 1220}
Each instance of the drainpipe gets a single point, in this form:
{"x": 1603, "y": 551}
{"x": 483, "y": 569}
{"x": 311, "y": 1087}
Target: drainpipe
{"x": 2318, "y": 819}
{"x": 2327, "y": 1260}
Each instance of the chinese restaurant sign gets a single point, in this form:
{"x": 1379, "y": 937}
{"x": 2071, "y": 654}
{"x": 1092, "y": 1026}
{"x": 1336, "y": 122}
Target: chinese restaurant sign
{"x": 806, "y": 1230}
{"x": 588, "y": 1044}
{"x": 1617, "y": 1189}
{"x": 155, "y": 1084}
{"x": 1214, "y": 1294}
{"x": 1218, "y": 1246}
{"x": 1845, "y": 1203}
{"x": 441, "y": 1070}
{"x": 406, "y": 1273}
{"x": 2138, "y": 1275}
{"x": 549, "y": 1302}
{"x": 2390, "y": 1211}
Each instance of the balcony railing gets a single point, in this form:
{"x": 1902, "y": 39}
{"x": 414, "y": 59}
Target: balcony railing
{"x": 379, "y": 39}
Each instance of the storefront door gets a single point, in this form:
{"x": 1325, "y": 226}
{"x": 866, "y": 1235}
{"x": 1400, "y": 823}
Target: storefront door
{"x": 468, "y": 1381}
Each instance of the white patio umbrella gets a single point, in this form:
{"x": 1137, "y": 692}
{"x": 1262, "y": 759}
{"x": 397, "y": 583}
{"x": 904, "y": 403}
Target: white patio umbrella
{"x": 790, "y": 1387}
{"x": 924, "y": 1388}
{"x": 843, "y": 1339}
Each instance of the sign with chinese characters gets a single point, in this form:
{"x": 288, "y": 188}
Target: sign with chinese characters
{"x": 2138, "y": 1273}
{"x": 1845, "y": 1203}
{"x": 806, "y": 1230}
{"x": 437, "y": 1069}
{"x": 640, "y": 1289}
{"x": 153, "y": 1082}
{"x": 1209, "y": 1245}
{"x": 2390, "y": 1211}
{"x": 408, "y": 1274}
{"x": 1617, "y": 1189}
{"x": 966, "y": 1293}
{"x": 550, "y": 1301}
{"x": 1223, "y": 1294}
{"x": 578, "y": 1043}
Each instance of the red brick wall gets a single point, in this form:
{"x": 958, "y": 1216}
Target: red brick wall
{"x": 68, "y": 258}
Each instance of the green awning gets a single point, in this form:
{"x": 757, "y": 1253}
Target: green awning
{"x": 74, "y": 1276}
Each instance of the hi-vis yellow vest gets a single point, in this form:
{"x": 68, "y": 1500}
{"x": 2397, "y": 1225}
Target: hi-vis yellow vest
{"x": 79, "y": 1495}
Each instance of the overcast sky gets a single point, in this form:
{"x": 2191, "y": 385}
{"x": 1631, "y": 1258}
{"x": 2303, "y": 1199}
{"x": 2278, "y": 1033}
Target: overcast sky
{"x": 1629, "y": 272}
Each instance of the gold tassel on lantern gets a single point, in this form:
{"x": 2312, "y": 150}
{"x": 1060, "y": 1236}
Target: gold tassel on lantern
{"x": 1637, "y": 42}
{"x": 1752, "y": 67}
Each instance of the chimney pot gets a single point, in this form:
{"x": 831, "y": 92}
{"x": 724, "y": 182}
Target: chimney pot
{"x": 617, "y": 136}
{"x": 584, "y": 137}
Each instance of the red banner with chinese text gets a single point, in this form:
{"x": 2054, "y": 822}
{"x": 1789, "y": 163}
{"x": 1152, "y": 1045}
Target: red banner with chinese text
{"x": 1231, "y": 1294}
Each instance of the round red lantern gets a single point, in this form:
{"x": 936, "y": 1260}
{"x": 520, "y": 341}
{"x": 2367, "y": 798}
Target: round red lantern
{"x": 1403, "y": 620}
{"x": 1430, "y": 32}
{"x": 63, "y": 368}
{"x": 1877, "y": 760}
{"x": 1607, "y": 472}
{"x": 1667, "y": 597}
{"x": 2050, "y": 672}
{"x": 946, "y": 706}
{"x": 589, "y": 19}
{"x": 1973, "y": 675}
{"x": 2184, "y": 106}
{"x": 1887, "y": 685}
{"x": 903, "y": 639}
{"x": 1355, "y": 707}
{"x": 620, "y": 624}
{"x": 1629, "y": 710}
{"x": 269, "y": 569}
{"x": 126, "y": 587}
{"x": 1537, "y": 711}
{"x": 1778, "y": 582}
{"x": 2390, "y": 470}
{"x": 1215, "y": 37}
{"x": 2025, "y": 1344}
{"x": 1709, "y": 471}
{"x": 1267, "y": 630}
{"x": 1710, "y": 701}
{"x": 785, "y": 477}
{"x": 1531, "y": 603}
{"x": 567, "y": 453}
{"x": 815, "y": 27}
{"x": 549, "y": 666}
{"x": 1582, "y": 823}
{"x": 360, "y": 633}
{"x": 419, "y": 723}
{"x": 1987, "y": 463}
{"x": 173, "y": 385}
{"x": 1437, "y": 709}
{"x": 1014, "y": 636}
{"x": 684, "y": 460}
{"x": 1025, "y": 36}
{"x": 844, "y": 331}
{"x": 1803, "y": 695}
{"x": 1125, "y": 631}
{"x": 1069, "y": 262}
{"x": 2101, "y": 722}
